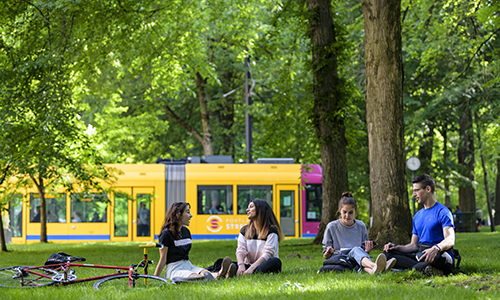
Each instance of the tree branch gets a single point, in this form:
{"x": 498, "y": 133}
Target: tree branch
{"x": 182, "y": 123}
{"x": 475, "y": 53}
{"x": 41, "y": 13}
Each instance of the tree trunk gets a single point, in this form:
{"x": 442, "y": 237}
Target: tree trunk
{"x": 466, "y": 193}
{"x": 327, "y": 102}
{"x": 486, "y": 184}
{"x": 2, "y": 235}
{"x": 205, "y": 121}
{"x": 497, "y": 195}
{"x": 43, "y": 214}
{"x": 425, "y": 150}
{"x": 447, "y": 198}
{"x": 384, "y": 117}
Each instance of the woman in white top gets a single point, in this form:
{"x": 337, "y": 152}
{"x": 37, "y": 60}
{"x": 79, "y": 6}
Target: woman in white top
{"x": 258, "y": 242}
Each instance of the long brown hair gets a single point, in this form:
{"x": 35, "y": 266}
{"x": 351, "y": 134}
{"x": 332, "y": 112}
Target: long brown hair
{"x": 173, "y": 218}
{"x": 266, "y": 219}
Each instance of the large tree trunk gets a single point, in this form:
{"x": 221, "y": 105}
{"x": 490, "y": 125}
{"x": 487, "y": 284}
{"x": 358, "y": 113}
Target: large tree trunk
{"x": 497, "y": 195}
{"x": 466, "y": 193}
{"x": 327, "y": 102}
{"x": 384, "y": 117}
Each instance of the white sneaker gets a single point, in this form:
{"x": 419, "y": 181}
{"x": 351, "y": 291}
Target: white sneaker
{"x": 380, "y": 264}
{"x": 390, "y": 264}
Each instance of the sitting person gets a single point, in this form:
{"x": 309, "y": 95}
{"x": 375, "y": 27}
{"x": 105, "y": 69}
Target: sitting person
{"x": 433, "y": 234}
{"x": 176, "y": 241}
{"x": 77, "y": 217}
{"x": 216, "y": 208}
{"x": 349, "y": 236}
{"x": 258, "y": 242}
{"x": 96, "y": 217}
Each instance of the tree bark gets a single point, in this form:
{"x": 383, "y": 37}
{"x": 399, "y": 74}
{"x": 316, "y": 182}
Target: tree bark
{"x": 384, "y": 116}
{"x": 485, "y": 173}
{"x": 466, "y": 193}
{"x": 447, "y": 198}
{"x": 327, "y": 102}
{"x": 2, "y": 235}
{"x": 426, "y": 147}
{"x": 207, "y": 132}
{"x": 497, "y": 195}
{"x": 43, "y": 214}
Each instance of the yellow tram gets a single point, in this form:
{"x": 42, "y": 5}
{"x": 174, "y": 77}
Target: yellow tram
{"x": 217, "y": 192}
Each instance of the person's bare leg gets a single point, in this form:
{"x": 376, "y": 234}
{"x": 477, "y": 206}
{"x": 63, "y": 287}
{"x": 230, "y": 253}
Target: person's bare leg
{"x": 202, "y": 274}
{"x": 368, "y": 265}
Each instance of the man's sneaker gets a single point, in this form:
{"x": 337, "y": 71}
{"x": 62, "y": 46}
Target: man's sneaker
{"x": 431, "y": 271}
{"x": 390, "y": 264}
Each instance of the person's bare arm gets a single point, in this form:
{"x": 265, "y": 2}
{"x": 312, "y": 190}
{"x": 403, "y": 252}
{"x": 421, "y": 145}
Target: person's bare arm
{"x": 162, "y": 261}
{"x": 409, "y": 248}
{"x": 447, "y": 243}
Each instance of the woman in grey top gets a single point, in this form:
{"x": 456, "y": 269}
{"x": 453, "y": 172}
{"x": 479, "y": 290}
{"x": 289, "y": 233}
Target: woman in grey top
{"x": 349, "y": 236}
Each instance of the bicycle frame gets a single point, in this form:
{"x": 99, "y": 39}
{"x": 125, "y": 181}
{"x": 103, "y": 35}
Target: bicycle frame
{"x": 61, "y": 273}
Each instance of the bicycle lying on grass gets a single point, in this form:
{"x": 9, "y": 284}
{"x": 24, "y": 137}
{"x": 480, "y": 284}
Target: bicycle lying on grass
{"x": 63, "y": 273}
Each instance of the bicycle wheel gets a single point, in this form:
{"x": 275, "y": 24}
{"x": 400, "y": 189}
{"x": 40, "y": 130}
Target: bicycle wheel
{"x": 14, "y": 277}
{"x": 121, "y": 282}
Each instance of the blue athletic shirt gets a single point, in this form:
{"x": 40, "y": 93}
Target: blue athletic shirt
{"x": 428, "y": 224}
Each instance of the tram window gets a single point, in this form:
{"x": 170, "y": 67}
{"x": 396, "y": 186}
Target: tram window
{"x": 16, "y": 214}
{"x": 314, "y": 202}
{"x": 55, "y": 208}
{"x": 247, "y": 193}
{"x": 89, "y": 208}
{"x": 215, "y": 199}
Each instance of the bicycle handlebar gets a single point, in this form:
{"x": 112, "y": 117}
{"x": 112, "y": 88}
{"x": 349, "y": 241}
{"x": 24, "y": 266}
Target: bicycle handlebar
{"x": 151, "y": 245}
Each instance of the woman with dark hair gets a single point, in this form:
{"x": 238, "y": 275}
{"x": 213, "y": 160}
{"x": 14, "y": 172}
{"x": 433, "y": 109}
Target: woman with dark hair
{"x": 349, "y": 236}
{"x": 258, "y": 242}
{"x": 176, "y": 241}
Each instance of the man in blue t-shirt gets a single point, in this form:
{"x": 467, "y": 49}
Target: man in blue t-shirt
{"x": 433, "y": 234}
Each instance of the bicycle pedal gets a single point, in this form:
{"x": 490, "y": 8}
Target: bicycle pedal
{"x": 72, "y": 271}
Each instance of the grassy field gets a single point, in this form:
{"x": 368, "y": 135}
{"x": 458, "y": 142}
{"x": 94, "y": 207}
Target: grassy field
{"x": 479, "y": 277}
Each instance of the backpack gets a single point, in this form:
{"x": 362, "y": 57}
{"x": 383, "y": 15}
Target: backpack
{"x": 61, "y": 258}
{"x": 339, "y": 263}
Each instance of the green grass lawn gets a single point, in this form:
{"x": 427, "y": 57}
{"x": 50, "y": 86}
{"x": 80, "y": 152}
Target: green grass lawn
{"x": 480, "y": 277}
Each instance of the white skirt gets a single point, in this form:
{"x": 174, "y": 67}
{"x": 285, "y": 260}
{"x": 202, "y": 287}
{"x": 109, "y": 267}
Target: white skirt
{"x": 181, "y": 268}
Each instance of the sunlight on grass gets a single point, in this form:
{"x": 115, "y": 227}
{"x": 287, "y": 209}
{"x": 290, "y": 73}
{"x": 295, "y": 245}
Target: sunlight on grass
{"x": 299, "y": 280}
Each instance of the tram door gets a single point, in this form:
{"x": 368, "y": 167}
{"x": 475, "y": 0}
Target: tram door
{"x": 289, "y": 209}
{"x": 142, "y": 216}
{"x": 132, "y": 217}
{"x": 121, "y": 215}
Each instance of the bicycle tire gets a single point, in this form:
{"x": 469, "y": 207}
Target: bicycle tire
{"x": 7, "y": 279}
{"x": 120, "y": 282}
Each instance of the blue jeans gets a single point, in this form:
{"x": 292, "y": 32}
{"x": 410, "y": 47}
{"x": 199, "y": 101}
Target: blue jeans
{"x": 357, "y": 254}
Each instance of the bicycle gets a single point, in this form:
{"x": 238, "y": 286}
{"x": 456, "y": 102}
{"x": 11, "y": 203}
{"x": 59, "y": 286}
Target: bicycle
{"x": 64, "y": 274}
